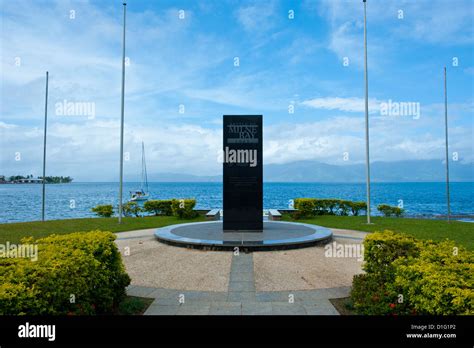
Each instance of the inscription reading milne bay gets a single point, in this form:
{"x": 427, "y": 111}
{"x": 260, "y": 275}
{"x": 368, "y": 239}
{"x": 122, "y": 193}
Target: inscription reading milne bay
{"x": 243, "y": 173}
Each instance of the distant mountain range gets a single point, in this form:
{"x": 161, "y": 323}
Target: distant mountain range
{"x": 177, "y": 177}
{"x": 313, "y": 171}
{"x": 400, "y": 171}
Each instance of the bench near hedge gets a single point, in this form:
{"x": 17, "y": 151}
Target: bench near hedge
{"x": 274, "y": 215}
{"x": 214, "y": 214}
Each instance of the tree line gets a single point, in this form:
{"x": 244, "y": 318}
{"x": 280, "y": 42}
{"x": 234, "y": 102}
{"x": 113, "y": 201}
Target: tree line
{"x": 48, "y": 179}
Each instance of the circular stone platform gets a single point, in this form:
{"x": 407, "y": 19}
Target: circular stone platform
{"x": 276, "y": 235}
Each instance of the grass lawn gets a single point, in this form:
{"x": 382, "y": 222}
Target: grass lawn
{"x": 13, "y": 232}
{"x": 343, "y": 305}
{"x": 132, "y": 305}
{"x": 460, "y": 232}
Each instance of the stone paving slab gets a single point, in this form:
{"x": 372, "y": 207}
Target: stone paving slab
{"x": 241, "y": 277}
{"x": 241, "y": 286}
{"x": 274, "y": 296}
{"x": 140, "y": 291}
{"x": 226, "y": 308}
{"x": 194, "y": 309}
{"x": 158, "y": 309}
{"x": 340, "y": 233}
{"x": 256, "y": 308}
{"x": 279, "y": 308}
{"x": 148, "y": 233}
{"x": 320, "y": 307}
{"x": 241, "y": 297}
{"x": 163, "y": 293}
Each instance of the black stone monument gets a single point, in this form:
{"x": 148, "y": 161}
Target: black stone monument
{"x": 243, "y": 173}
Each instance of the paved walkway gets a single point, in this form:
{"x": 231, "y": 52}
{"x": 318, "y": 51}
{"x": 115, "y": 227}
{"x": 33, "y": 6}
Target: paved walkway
{"x": 149, "y": 234}
{"x": 241, "y": 297}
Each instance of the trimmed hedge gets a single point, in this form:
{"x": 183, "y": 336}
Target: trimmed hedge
{"x": 388, "y": 210}
{"x": 77, "y": 273}
{"x": 159, "y": 207}
{"x": 382, "y": 249}
{"x": 309, "y": 207}
{"x": 183, "y": 208}
{"x": 132, "y": 209}
{"x": 105, "y": 210}
{"x": 306, "y": 207}
{"x": 405, "y": 275}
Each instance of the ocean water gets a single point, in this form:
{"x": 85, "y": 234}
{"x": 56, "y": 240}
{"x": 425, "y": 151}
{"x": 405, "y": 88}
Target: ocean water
{"x": 75, "y": 200}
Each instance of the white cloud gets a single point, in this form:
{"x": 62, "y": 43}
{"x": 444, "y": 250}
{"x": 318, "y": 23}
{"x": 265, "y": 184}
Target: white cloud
{"x": 6, "y": 125}
{"x": 437, "y": 22}
{"x": 324, "y": 140}
{"x": 88, "y": 150}
{"x": 342, "y": 104}
{"x": 258, "y": 17}
{"x": 190, "y": 66}
{"x": 346, "y": 42}
{"x": 424, "y": 21}
{"x": 434, "y": 21}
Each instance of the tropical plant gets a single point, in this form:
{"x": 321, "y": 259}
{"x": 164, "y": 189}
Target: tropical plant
{"x": 131, "y": 209}
{"x": 389, "y": 211}
{"x": 105, "y": 210}
{"x": 159, "y": 207}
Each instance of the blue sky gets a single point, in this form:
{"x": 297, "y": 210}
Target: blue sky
{"x": 188, "y": 64}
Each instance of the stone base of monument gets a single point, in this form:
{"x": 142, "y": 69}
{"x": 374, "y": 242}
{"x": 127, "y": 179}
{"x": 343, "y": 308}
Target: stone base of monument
{"x": 275, "y": 235}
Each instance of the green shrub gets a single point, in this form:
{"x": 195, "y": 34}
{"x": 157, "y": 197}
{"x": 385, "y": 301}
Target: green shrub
{"x": 159, "y": 207}
{"x": 77, "y": 273}
{"x": 357, "y": 207}
{"x": 409, "y": 276}
{"x": 371, "y": 297}
{"x": 184, "y": 208}
{"x": 309, "y": 207}
{"x": 439, "y": 282}
{"x": 381, "y": 249}
{"x": 388, "y": 210}
{"x": 344, "y": 207}
{"x": 103, "y": 210}
{"x": 320, "y": 206}
{"x": 332, "y": 206}
{"x": 306, "y": 207}
{"x": 131, "y": 209}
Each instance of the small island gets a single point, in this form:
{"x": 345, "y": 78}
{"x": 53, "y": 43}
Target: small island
{"x": 29, "y": 179}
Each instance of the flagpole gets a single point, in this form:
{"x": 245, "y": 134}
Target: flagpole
{"x": 122, "y": 119}
{"x": 367, "y": 158}
{"x": 44, "y": 148}
{"x": 446, "y": 138}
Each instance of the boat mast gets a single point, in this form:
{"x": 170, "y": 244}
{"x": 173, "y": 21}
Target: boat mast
{"x": 144, "y": 173}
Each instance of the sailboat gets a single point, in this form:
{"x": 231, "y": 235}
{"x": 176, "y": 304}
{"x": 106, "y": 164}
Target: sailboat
{"x": 143, "y": 193}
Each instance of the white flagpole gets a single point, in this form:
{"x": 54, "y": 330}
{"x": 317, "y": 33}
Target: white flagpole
{"x": 446, "y": 137}
{"x": 122, "y": 119}
{"x": 367, "y": 158}
{"x": 44, "y": 148}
